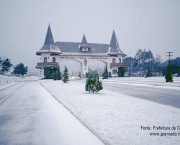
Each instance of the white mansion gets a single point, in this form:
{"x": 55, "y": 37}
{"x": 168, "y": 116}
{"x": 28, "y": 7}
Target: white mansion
{"x": 52, "y": 54}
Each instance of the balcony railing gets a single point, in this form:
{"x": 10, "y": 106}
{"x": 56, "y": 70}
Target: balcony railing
{"x": 47, "y": 64}
{"x": 116, "y": 65}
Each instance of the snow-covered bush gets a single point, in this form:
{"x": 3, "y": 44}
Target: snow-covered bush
{"x": 92, "y": 82}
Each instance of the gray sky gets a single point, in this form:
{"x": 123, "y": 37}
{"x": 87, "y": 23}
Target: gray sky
{"x": 138, "y": 24}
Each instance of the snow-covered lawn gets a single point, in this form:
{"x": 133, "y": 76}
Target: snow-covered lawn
{"x": 115, "y": 118}
{"x": 152, "y": 81}
{"x": 6, "y": 79}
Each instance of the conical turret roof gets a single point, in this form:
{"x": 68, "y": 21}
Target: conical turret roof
{"x": 84, "y": 42}
{"x": 49, "y": 45}
{"x": 114, "y": 46}
{"x": 49, "y": 37}
{"x": 114, "y": 42}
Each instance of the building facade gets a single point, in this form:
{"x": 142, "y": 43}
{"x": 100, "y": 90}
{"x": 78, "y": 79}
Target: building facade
{"x": 53, "y": 53}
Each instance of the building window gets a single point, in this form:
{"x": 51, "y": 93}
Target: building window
{"x": 54, "y": 59}
{"x": 119, "y": 60}
{"x": 113, "y": 60}
{"x": 114, "y": 71}
{"x": 84, "y": 49}
{"x": 45, "y": 59}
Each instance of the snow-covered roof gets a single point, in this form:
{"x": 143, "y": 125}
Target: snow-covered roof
{"x": 76, "y": 47}
{"x": 49, "y": 46}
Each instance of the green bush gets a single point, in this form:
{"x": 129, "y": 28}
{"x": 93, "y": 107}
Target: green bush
{"x": 52, "y": 73}
{"x": 92, "y": 82}
{"x": 121, "y": 72}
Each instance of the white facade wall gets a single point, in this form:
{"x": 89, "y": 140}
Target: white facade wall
{"x": 83, "y": 60}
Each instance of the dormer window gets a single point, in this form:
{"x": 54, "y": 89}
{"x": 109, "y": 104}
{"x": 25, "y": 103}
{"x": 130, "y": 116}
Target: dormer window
{"x": 85, "y": 49}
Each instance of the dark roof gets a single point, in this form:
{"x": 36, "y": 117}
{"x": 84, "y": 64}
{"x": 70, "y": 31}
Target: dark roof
{"x": 49, "y": 45}
{"x": 114, "y": 46}
{"x": 114, "y": 42}
{"x": 84, "y": 41}
{"x": 49, "y": 37}
{"x": 74, "y": 47}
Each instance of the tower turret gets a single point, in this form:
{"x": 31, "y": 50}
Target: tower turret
{"x": 114, "y": 46}
{"x": 84, "y": 45}
{"x": 49, "y": 45}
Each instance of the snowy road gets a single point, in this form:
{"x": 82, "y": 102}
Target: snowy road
{"x": 166, "y": 96}
{"x": 30, "y": 115}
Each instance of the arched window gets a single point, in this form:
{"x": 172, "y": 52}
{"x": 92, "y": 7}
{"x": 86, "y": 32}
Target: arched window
{"x": 113, "y": 60}
{"x": 54, "y": 59}
{"x": 119, "y": 60}
{"x": 45, "y": 59}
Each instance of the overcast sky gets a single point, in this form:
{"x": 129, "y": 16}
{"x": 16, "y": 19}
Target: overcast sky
{"x": 138, "y": 24}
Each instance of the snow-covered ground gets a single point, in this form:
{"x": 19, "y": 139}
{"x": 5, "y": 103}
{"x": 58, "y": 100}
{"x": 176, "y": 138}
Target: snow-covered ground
{"x": 152, "y": 81}
{"x": 120, "y": 119}
{"x": 32, "y": 116}
{"x": 29, "y": 115}
{"x": 6, "y": 79}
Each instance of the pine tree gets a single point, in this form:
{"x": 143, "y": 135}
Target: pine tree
{"x": 48, "y": 73}
{"x": 148, "y": 74}
{"x": 121, "y": 72}
{"x": 105, "y": 73}
{"x": 54, "y": 73}
{"x": 5, "y": 65}
{"x": 168, "y": 76}
{"x": 65, "y": 76}
{"x": 87, "y": 74}
{"x": 20, "y": 69}
{"x": 92, "y": 82}
{"x": 59, "y": 76}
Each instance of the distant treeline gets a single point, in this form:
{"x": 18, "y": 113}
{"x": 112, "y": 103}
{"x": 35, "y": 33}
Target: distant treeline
{"x": 145, "y": 60}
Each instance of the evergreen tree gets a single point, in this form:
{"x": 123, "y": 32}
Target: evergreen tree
{"x": 5, "y": 65}
{"x": 148, "y": 74}
{"x": 87, "y": 74}
{"x": 92, "y": 82}
{"x": 48, "y": 73}
{"x": 65, "y": 76}
{"x": 105, "y": 73}
{"x": 59, "y": 76}
{"x": 52, "y": 73}
{"x": 20, "y": 69}
{"x": 121, "y": 72}
{"x": 168, "y": 76}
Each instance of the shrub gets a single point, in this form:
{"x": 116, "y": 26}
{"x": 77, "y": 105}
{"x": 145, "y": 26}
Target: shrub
{"x": 92, "y": 83}
{"x": 121, "y": 72}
